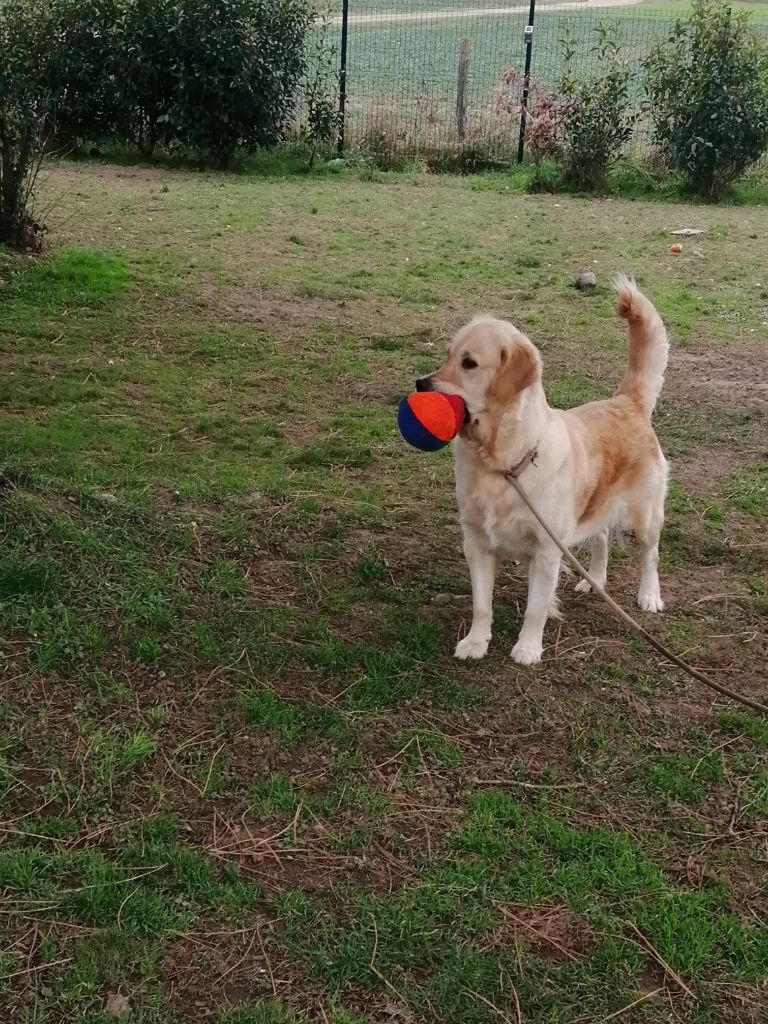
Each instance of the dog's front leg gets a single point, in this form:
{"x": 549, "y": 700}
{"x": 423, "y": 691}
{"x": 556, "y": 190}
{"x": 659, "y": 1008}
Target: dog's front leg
{"x": 482, "y": 570}
{"x": 543, "y": 574}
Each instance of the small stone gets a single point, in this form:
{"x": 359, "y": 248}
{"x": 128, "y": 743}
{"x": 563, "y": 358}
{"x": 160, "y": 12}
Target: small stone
{"x": 118, "y": 1005}
{"x": 396, "y": 1010}
{"x": 586, "y": 279}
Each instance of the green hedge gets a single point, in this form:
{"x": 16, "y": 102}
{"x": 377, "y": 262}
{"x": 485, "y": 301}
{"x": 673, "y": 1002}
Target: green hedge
{"x": 206, "y": 76}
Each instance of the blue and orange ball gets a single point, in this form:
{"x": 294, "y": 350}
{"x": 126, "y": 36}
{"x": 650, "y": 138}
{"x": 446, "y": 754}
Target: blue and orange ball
{"x": 429, "y": 420}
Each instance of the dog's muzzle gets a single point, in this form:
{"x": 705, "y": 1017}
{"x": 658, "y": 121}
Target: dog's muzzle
{"x": 424, "y": 384}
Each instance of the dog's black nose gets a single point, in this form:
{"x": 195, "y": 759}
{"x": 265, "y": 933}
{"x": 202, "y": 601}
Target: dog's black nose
{"x": 424, "y": 384}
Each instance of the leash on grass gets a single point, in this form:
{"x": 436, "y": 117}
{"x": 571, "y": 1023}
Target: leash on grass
{"x": 512, "y": 475}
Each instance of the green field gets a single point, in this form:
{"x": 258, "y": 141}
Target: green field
{"x": 243, "y": 780}
{"x": 651, "y": 8}
{"x": 402, "y": 75}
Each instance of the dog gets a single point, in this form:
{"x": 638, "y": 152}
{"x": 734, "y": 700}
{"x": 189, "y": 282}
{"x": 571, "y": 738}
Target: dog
{"x": 589, "y": 471}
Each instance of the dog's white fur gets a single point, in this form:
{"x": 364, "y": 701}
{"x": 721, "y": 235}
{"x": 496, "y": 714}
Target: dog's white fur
{"x": 599, "y": 466}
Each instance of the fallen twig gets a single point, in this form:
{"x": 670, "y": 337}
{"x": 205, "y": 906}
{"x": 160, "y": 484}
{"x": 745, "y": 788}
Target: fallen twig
{"x": 660, "y": 960}
{"x": 529, "y": 785}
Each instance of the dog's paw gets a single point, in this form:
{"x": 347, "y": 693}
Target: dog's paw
{"x": 471, "y": 647}
{"x": 650, "y": 602}
{"x": 582, "y": 587}
{"x": 526, "y": 652}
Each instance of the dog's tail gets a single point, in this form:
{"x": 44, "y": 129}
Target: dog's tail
{"x": 648, "y": 345}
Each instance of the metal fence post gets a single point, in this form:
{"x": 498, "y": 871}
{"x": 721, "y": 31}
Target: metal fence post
{"x": 343, "y": 77}
{"x": 526, "y": 80}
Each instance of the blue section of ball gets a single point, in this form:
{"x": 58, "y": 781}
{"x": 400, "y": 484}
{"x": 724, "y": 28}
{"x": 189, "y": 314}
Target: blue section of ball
{"x": 414, "y": 432}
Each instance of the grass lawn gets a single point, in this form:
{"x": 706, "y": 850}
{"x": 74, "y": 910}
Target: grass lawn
{"x": 242, "y": 778}
{"x": 401, "y": 78}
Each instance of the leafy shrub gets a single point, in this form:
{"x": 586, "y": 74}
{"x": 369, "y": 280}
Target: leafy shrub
{"x": 147, "y": 60}
{"x": 213, "y": 75}
{"x": 207, "y": 76}
{"x": 584, "y": 125}
{"x": 82, "y": 75}
{"x": 24, "y": 116}
{"x": 708, "y": 87}
{"x": 543, "y": 121}
{"x": 542, "y": 114}
{"x": 319, "y": 88}
{"x": 543, "y": 127}
{"x": 595, "y": 112}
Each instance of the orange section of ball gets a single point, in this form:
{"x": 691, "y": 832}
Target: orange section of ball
{"x": 435, "y": 413}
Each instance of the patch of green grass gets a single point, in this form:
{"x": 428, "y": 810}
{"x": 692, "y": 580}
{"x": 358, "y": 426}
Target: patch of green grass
{"x": 754, "y": 798}
{"x": 113, "y": 958}
{"x": 429, "y": 749}
{"x": 397, "y": 671}
{"x": 350, "y": 794}
{"x": 527, "y": 261}
{"x": 436, "y": 930}
{"x": 685, "y": 430}
{"x": 152, "y": 887}
{"x": 352, "y": 841}
{"x": 273, "y": 795}
{"x": 264, "y": 709}
{"x": 74, "y": 277}
{"x": 388, "y": 676}
{"x": 371, "y": 568}
{"x": 486, "y": 832}
{"x": 264, "y": 1012}
{"x": 6, "y": 775}
{"x": 745, "y": 723}
{"x": 684, "y": 777}
{"x": 574, "y": 389}
{"x": 595, "y": 872}
{"x": 324, "y": 454}
{"x": 20, "y": 577}
{"x": 758, "y": 588}
{"x": 389, "y": 343}
{"x": 748, "y": 491}
{"x": 115, "y": 755}
{"x": 9, "y": 964}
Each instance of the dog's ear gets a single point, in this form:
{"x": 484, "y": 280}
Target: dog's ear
{"x": 517, "y": 370}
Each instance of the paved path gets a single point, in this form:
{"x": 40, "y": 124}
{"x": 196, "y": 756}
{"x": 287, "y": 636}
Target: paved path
{"x": 400, "y": 17}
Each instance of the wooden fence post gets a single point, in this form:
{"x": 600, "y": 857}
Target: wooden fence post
{"x": 461, "y": 88}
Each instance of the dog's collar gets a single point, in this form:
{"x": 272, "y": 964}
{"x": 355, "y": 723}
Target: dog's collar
{"x": 529, "y": 459}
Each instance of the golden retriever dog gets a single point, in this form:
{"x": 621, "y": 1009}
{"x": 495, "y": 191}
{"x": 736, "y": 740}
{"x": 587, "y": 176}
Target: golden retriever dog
{"x": 597, "y": 468}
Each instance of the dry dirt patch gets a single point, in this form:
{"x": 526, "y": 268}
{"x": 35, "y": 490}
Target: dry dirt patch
{"x": 732, "y": 376}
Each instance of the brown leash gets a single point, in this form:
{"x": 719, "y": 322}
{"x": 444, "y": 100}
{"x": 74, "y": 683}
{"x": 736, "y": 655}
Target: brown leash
{"x": 529, "y": 459}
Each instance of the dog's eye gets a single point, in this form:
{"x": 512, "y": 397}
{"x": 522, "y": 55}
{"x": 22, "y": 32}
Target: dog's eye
{"x": 468, "y": 363}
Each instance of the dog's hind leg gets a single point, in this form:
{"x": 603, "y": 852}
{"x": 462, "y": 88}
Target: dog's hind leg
{"x": 647, "y": 521}
{"x": 598, "y": 563}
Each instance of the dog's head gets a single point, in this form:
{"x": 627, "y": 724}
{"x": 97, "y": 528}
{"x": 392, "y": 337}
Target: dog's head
{"x": 490, "y": 364}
